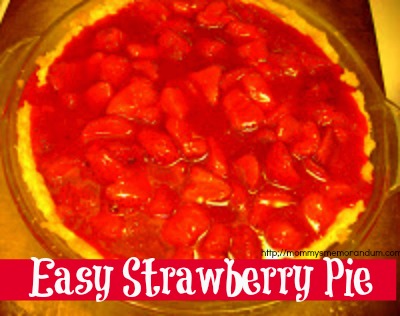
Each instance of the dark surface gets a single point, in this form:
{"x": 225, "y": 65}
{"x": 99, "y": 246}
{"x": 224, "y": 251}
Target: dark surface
{"x": 26, "y": 18}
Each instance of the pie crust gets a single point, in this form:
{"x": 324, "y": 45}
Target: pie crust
{"x": 338, "y": 232}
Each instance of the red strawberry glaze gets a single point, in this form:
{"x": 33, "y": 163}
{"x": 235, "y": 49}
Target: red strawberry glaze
{"x": 181, "y": 126}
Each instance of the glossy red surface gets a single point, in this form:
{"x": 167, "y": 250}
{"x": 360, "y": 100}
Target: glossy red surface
{"x": 171, "y": 122}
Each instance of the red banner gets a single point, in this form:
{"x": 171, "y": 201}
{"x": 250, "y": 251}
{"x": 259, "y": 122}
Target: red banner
{"x": 134, "y": 279}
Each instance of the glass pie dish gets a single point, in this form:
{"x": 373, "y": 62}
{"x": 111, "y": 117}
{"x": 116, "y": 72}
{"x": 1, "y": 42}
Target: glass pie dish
{"x": 377, "y": 107}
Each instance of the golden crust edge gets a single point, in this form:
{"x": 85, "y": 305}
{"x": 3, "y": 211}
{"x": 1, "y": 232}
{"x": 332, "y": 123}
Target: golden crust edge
{"x": 338, "y": 232}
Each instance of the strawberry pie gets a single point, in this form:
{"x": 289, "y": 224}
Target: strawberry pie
{"x": 195, "y": 129}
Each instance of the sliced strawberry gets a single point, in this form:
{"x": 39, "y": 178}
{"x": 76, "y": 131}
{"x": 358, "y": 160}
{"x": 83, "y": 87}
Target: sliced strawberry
{"x": 213, "y": 256}
{"x": 260, "y": 215}
{"x": 223, "y": 214}
{"x": 248, "y": 171}
{"x": 247, "y": 118}
{"x": 174, "y": 102}
{"x": 206, "y": 188}
{"x": 163, "y": 202}
{"x": 151, "y": 115}
{"x": 244, "y": 115}
{"x": 42, "y": 139}
{"x": 273, "y": 117}
{"x": 216, "y": 242}
{"x": 180, "y": 26}
{"x": 92, "y": 66}
{"x": 67, "y": 214}
{"x": 80, "y": 200}
{"x": 109, "y": 40}
{"x": 258, "y": 90}
{"x": 108, "y": 127}
{"x": 108, "y": 226}
{"x": 280, "y": 167}
{"x": 316, "y": 65}
{"x": 288, "y": 129}
{"x": 159, "y": 146}
{"x": 104, "y": 166}
{"x": 215, "y": 15}
{"x": 146, "y": 68}
{"x": 216, "y": 161}
{"x": 173, "y": 45}
{"x": 210, "y": 48}
{"x": 269, "y": 203}
{"x": 130, "y": 100}
{"x": 125, "y": 152}
{"x": 245, "y": 243}
{"x": 208, "y": 81}
{"x": 283, "y": 67}
{"x": 283, "y": 235}
{"x": 239, "y": 201}
{"x": 179, "y": 130}
{"x": 142, "y": 236}
{"x": 342, "y": 126}
{"x": 231, "y": 78}
{"x": 326, "y": 147}
{"x": 183, "y": 253}
{"x": 71, "y": 101}
{"x": 152, "y": 11}
{"x": 98, "y": 96}
{"x": 315, "y": 171}
{"x": 186, "y": 226}
{"x": 254, "y": 52}
{"x": 60, "y": 171}
{"x": 115, "y": 70}
{"x": 318, "y": 211}
{"x": 318, "y": 92}
{"x": 309, "y": 142}
{"x": 340, "y": 120}
{"x": 174, "y": 176}
{"x": 196, "y": 148}
{"x": 239, "y": 31}
{"x": 134, "y": 191}
{"x": 66, "y": 77}
{"x": 276, "y": 199}
{"x": 234, "y": 99}
{"x": 322, "y": 114}
{"x": 269, "y": 72}
{"x": 88, "y": 197}
{"x": 136, "y": 50}
{"x": 266, "y": 136}
{"x": 338, "y": 190}
{"x": 342, "y": 135}
{"x": 193, "y": 146}
{"x": 188, "y": 8}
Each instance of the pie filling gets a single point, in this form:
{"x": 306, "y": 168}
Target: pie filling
{"x": 181, "y": 129}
